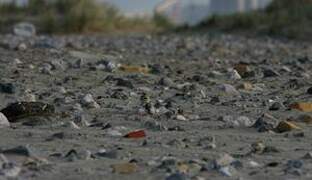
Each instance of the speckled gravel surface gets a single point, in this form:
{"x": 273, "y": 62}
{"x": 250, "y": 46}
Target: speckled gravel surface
{"x": 208, "y": 107}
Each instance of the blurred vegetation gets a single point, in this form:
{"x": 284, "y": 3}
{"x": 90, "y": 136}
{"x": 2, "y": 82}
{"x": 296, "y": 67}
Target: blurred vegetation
{"x": 286, "y": 18}
{"x": 72, "y": 16}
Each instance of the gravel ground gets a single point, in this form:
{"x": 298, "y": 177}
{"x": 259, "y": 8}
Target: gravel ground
{"x": 199, "y": 106}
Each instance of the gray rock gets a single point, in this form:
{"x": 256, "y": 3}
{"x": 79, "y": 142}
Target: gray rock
{"x": 89, "y": 102}
{"x": 4, "y": 122}
{"x": 229, "y": 89}
{"x": 24, "y": 29}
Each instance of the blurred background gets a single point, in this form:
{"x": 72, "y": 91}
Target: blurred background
{"x": 290, "y": 18}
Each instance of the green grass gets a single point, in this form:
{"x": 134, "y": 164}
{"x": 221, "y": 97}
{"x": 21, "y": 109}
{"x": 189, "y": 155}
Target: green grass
{"x": 286, "y": 18}
{"x": 72, "y": 16}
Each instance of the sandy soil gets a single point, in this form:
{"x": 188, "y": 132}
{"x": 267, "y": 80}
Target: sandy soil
{"x": 197, "y": 98}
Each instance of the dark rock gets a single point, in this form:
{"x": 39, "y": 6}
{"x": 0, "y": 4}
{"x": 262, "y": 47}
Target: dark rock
{"x": 177, "y": 176}
{"x": 265, "y": 123}
{"x": 19, "y": 150}
{"x": 7, "y": 88}
{"x": 268, "y": 72}
{"x": 276, "y": 106}
{"x": 124, "y": 83}
{"x": 112, "y": 154}
{"x": 309, "y": 91}
{"x": 21, "y": 110}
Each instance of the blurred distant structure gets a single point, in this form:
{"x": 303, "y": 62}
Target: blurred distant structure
{"x": 17, "y": 2}
{"x": 192, "y": 12}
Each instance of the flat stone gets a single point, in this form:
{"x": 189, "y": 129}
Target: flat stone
{"x": 4, "y": 122}
{"x": 126, "y": 168}
{"x": 24, "y": 29}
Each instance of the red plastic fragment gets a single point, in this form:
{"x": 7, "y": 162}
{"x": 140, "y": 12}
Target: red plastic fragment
{"x": 136, "y": 134}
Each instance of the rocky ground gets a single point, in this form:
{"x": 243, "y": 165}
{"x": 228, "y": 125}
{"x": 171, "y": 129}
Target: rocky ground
{"x": 173, "y": 107}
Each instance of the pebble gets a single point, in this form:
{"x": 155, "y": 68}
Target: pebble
{"x": 268, "y": 72}
{"x": 234, "y": 75}
{"x": 124, "y": 83}
{"x": 165, "y": 81}
{"x": 24, "y": 29}
{"x": 8, "y": 88}
{"x": 302, "y": 106}
{"x": 125, "y": 168}
{"x": 229, "y": 89}
{"x": 181, "y": 118}
{"x": 285, "y": 126}
{"x": 89, "y": 102}
{"x": 114, "y": 133}
{"x": 46, "y": 68}
{"x": 71, "y": 125}
{"x": 265, "y": 123}
{"x": 241, "y": 121}
{"x": 225, "y": 165}
{"x": 177, "y": 176}
{"x": 4, "y": 122}
{"x": 309, "y": 90}
{"x": 276, "y": 106}
{"x": 112, "y": 154}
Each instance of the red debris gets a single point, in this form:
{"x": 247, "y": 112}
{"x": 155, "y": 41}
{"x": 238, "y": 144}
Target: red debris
{"x": 136, "y": 134}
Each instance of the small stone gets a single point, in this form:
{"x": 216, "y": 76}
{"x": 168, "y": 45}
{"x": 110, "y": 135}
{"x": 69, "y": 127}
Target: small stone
{"x": 285, "y": 126}
{"x": 105, "y": 65}
{"x": 112, "y": 154}
{"x": 253, "y": 164}
{"x": 18, "y": 151}
{"x": 89, "y": 102}
{"x": 124, "y": 83}
{"x": 8, "y": 88}
{"x": 308, "y": 155}
{"x": 181, "y": 118}
{"x": 165, "y": 81}
{"x": 265, "y": 123}
{"x": 136, "y": 134}
{"x": 228, "y": 89}
{"x": 234, "y": 75}
{"x": 246, "y": 86}
{"x": 276, "y": 106}
{"x": 244, "y": 70}
{"x": 71, "y": 125}
{"x": 241, "y": 121}
{"x": 304, "y": 106}
{"x": 268, "y": 72}
{"x": 114, "y": 133}
{"x": 177, "y": 176}
{"x": 258, "y": 147}
{"x": 223, "y": 160}
{"x": 10, "y": 170}
{"x": 126, "y": 168}
{"x": 22, "y": 47}
{"x": 306, "y": 118}
{"x": 309, "y": 91}
{"x": 20, "y": 110}
{"x": 24, "y": 29}
{"x": 79, "y": 63}
{"x": 4, "y": 122}
{"x": 17, "y": 61}
{"x": 46, "y": 68}
{"x": 134, "y": 69}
